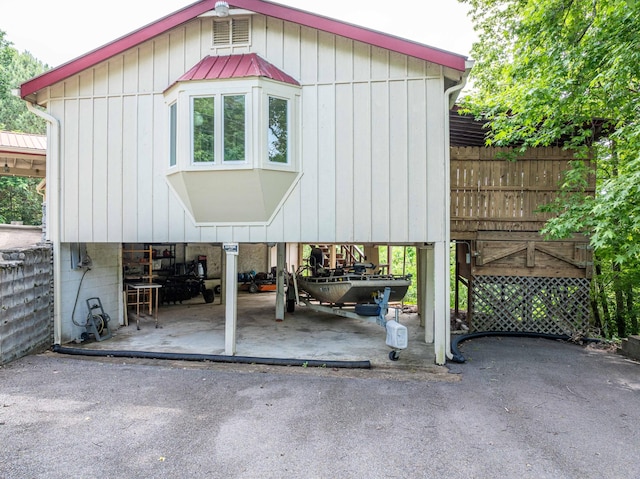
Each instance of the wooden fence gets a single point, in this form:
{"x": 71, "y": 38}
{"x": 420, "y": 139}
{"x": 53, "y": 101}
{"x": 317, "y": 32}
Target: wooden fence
{"x": 517, "y": 280}
{"x": 490, "y": 193}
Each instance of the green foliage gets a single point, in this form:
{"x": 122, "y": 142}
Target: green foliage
{"x": 234, "y": 128}
{"x": 16, "y": 68}
{"x": 19, "y": 200}
{"x": 278, "y": 130}
{"x": 567, "y": 73}
{"x": 203, "y": 129}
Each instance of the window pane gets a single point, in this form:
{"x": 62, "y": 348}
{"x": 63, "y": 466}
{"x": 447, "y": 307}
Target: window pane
{"x": 173, "y": 118}
{"x": 278, "y": 130}
{"x": 234, "y": 144}
{"x": 203, "y": 129}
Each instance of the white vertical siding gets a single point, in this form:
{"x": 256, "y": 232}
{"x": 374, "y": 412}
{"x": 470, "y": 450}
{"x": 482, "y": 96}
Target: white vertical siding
{"x": 436, "y": 169}
{"x": 371, "y": 140}
{"x": 398, "y": 168}
{"x": 161, "y": 196}
{"x": 416, "y": 153}
{"x": 344, "y": 165}
{"x": 309, "y": 184}
{"x": 363, "y": 188}
{"x": 144, "y": 167}
{"x": 100, "y": 159}
{"x": 69, "y": 171}
{"x": 84, "y": 174}
{"x": 326, "y": 172}
{"x": 380, "y": 162}
{"x": 114, "y": 162}
{"x": 129, "y": 210}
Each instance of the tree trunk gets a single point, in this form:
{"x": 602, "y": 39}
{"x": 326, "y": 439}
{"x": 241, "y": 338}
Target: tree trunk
{"x": 597, "y": 320}
{"x": 620, "y": 320}
{"x": 603, "y": 299}
{"x": 630, "y": 310}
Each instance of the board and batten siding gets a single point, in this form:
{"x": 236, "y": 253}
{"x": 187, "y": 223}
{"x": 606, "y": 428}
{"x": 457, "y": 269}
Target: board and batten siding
{"x": 371, "y": 129}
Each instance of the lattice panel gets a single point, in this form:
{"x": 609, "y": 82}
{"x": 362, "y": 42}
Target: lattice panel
{"x": 528, "y": 304}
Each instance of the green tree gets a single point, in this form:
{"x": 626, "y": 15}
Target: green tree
{"x": 19, "y": 200}
{"x": 16, "y": 68}
{"x": 567, "y": 72}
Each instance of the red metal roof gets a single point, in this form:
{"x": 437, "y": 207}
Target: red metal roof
{"x": 236, "y": 66}
{"x": 301, "y": 17}
{"x": 11, "y": 142}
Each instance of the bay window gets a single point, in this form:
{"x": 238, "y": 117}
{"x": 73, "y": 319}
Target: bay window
{"x": 232, "y": 135}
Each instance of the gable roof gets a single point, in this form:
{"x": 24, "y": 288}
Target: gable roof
{"x": 290, "y": 14}
{"x": 235, "y": 66}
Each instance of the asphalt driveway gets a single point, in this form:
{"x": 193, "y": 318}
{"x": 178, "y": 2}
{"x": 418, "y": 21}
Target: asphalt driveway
{"x": 517, "y": 408}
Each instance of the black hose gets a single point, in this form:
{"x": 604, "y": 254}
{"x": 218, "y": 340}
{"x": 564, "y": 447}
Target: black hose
{"x": 215, "y": 358}
{"x": 459, "y": 358}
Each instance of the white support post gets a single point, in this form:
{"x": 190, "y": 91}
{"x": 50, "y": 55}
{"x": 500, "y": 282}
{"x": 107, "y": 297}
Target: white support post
{"x": 429, "y": 298}
{"x": 280, "y": 269}
{"x": 441, "y": 301}
{"x": 231, "y": 298}
{"x": 427, "y": 313}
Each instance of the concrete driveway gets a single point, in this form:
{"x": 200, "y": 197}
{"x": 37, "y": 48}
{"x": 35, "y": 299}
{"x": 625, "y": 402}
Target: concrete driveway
{"x": 517, "y": 408}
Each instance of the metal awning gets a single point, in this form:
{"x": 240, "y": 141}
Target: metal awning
{"x": 22, "y": 154}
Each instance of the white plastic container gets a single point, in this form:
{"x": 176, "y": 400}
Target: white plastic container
{"x": 397, "y": 335}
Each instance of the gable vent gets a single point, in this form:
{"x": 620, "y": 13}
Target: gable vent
{"x": 234, "y": 31}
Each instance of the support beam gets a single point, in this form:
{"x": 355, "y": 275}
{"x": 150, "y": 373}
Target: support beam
{"x": 441, "y": 330}
{"x": 420, "y": 284}
{"x": 231, "y": 298}
{"x": 333, "y": 256}
{"x": 280, "y": 269}
{"x": 428, "y": 291}
{"x": 372, "y": 252}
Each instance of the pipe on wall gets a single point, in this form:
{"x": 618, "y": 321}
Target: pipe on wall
{"x": 447, "y": 216}
{"x": 53, "y": 202}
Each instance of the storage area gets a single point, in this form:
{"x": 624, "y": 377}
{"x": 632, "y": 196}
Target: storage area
{"x": 179, "y": 275}
{"x": 179, "y": 272}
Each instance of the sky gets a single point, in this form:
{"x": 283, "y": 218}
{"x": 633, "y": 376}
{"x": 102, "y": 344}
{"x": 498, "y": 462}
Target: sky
{"x": 56, "y": 31}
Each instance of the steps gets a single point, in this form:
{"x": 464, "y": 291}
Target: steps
{"x": 344, "y": 255}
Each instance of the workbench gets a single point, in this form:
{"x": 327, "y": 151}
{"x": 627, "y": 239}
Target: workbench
{"x": 145, "y": 295}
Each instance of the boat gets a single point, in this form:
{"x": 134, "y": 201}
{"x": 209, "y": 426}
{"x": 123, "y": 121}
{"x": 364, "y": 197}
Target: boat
{"x": 352, "y": 285}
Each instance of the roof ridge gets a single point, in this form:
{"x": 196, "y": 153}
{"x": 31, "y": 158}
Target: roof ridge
{"x": 263, "y": 7}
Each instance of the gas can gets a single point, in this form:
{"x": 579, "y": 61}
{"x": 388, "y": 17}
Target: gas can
{"x": 397, "y": 335}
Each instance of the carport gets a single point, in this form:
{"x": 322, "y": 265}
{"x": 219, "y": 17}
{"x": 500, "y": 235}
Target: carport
{"x": 247, "y": 123}
{"x": 195, "y": 328}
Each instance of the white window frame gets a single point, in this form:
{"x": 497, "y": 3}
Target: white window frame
{"x": 291, "y": 93}
{"x": 173, "y": 134}
{"x": 192, "y": 126}
{"x": 256, "y": 93}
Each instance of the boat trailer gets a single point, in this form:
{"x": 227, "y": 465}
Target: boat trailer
{"x": 397, "y": 334}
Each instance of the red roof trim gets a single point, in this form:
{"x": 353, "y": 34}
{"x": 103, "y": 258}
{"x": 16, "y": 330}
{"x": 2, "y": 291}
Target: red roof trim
{"x": 372, "y": 37}
{"x": 116, "y": 47}
{"x": 355, "y": 32}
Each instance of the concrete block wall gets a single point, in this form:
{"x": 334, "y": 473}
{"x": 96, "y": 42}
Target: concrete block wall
{"x": 26, "y": 315}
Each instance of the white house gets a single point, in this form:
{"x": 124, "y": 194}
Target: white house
{"x": 250, "y": 122}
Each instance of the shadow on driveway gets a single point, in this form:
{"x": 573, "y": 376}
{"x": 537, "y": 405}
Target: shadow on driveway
{"x": 525, "y": 408}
